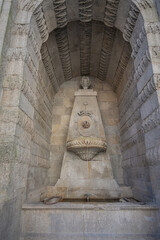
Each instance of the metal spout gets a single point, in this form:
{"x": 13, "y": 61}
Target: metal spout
{"x": 87, "y": 195}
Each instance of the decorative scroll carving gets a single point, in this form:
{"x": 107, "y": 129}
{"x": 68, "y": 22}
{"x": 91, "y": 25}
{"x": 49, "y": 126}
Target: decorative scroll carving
{"x": 13, "y": 82}
{"x": 41, "y": 23}
{"x": 29, "y": 5}
{"x": 34, "y": 44}
{"x": 144, "y": 4}
{"x": 107, "y": 45}
{"x": 60, "y": 12}
{"x": 152, "y": 121}
{"x": 155, "y": 52}
{"x": 139, "y": 42}
{"x": 85, "y": 10}
{"x": 111, "y": 12}
{"x": 49, "y": 67}
{"x": 142, "y": 66}
{"x": 20, "y": 54}
{"x": 130, "y": 22}
{"x": 64, "y": 52}
{"x": 149, "y": 89}
{"x": 126, "y": 53}
{"x": 20, "y": 29}
{"x": 16, "y": 54}
{"x": 153, "y": 28}
{"x": 85, "y": 47}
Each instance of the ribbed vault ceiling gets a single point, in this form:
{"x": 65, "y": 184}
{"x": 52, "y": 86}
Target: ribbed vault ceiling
{"x": 86, "y": 40}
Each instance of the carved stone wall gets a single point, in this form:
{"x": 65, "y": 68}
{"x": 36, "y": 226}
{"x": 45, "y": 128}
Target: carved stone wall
{"x": 29, "y": 86}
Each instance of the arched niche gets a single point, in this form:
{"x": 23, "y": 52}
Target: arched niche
{"x": 30, "y": 84}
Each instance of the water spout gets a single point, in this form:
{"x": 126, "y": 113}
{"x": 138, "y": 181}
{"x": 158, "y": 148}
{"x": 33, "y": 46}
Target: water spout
{"x": 87, "y": 195}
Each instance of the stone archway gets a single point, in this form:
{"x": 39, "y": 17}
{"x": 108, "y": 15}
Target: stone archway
{"x": 29, "y": 87}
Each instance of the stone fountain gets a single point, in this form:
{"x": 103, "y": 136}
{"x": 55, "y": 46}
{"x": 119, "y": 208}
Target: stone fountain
{"x": 86, "y": 168}
{"x": 86, "y": 136}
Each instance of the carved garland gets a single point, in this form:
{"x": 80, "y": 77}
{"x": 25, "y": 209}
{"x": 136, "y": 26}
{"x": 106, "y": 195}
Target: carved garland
{"x": 49, "y": 67}
{"x": 60, "y": 9}
{"x": 130, "y": 22}
{"x": 121, "y": 66}
{"x": 64, "y": 52}
{"x": 85, "y": 47}
{"x": 139, "y": 42}
{"x": 144, "y": 4}
{"x": 41, "y": 23}
{"x": 152, "y": 121}
{"x": 85, "y": 10}
{"x": 111, "y": 12}
{"x": 149, "y": 89}
{"x": 153, "y": 28}
{"x": 142, "y": 66}
{"x": 29, "y": 5}
{"x": 106, "y": 51}
{"x": 20, "y": 54}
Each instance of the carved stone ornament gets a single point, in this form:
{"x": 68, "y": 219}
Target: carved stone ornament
{"x": 87, "y": 147}
{"x": 85, "y": 82}
{"x": 86, "y": 137}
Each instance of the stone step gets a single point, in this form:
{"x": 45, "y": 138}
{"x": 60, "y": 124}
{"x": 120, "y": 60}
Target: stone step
{"x": 89, "y": 221}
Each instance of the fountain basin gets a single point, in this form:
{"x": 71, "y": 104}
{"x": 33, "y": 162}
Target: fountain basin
{"x": 87, "y": 147}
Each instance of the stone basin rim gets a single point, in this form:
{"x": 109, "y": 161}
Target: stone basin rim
{"x": 91, "y": 206}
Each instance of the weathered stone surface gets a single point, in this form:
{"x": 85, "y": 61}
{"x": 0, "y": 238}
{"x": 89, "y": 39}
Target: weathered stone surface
{"x": 97, "y": 220}
{"x": 29, "y": 79}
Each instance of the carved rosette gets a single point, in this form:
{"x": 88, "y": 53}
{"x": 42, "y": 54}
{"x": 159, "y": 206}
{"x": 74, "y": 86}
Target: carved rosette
{"x": 87, "y": 147}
